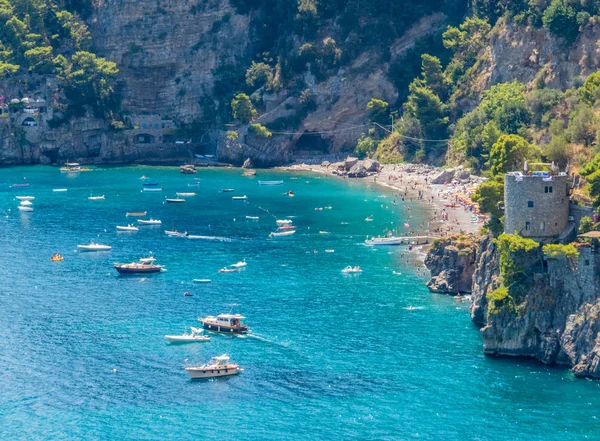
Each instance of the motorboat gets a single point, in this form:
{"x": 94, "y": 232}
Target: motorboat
{"x": 228, "y": 270}
{"x": 210, "y": 156}
{"x": 352, "y": 270}
{"x": 239, "y": 198}
{"x": 201, "y": 281}
{"x": 330, "y": 251}
{"x": 369, "y": 219}
{"x": 193, "y": 184}
{"x": 59, "y": 190}
{"x": 217, "y": 367}
{"x": 227, "y": 190}
{"x": 56, "y": 257}
{"x": 153, "y": 189}
{"x": 20, "y": 185}
{"x": 176, "y": 233}
{"x": 129, "y": 227}
{"x": 25, "y": 198}
{"x": 252, "y": 217}
{"x": 71, "y": 167}
{"x": 138, "y": 268}
{"x": 93, "y": 246}
{"x": 136, "y": 213}
{"x": 241, "y": 264}
{"x": 283, "y": 221}
{"x": 149, "y": 184}
{"x": 388, "y": 240}
{"x": 286, "y": 227}
{"x": 96, "y": 198}
{"x": 324, "y": 232}
{"x": 25, "y": 208}
{"x": 270, "y": 182}
{"x": 149, "y": 221}
{"x": 175, "y": 200}
{"x": 193, "y": 337}
{"x": 282, "y": 233}
{"x": 185, "y": 194}
{"x": 226, "y": 323}
{"x": 26, "y": 204}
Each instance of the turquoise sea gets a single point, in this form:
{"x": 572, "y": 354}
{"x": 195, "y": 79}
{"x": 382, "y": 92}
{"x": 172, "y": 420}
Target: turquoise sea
{"x": 82, "y": 353}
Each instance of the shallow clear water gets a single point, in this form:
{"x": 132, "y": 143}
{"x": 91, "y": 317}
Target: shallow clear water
{"x": 331, "y": 356}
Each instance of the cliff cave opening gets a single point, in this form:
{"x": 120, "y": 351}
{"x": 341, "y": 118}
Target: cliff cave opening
{"x": 312, "y": 143}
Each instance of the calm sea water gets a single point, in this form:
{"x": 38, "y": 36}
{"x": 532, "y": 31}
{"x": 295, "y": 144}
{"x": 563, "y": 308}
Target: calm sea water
{"x": 331, "y": 356}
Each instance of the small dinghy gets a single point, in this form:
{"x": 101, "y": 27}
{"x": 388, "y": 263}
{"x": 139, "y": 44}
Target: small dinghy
{"x": 128, "y": 227}
{"x": 193, "y": 337}
{"x": 149, "y": 221}
{"x": 175, "y": 200}
{"x": 270, "y": 182}
{"x": 228, "y": 270}
{"x": 25, "y": 198}
{"x": 153, "y": 189}
{"x": 282, "y": 233}
{"x": 185, "y": 194}
{"x": 59, "y": 190}
{"x": 239, "y": 198}
{"x": 352, "y": 270}
{"x": 252, "y": 217}
{"x": 201, "y": 280}
{"x": 176, "y": 233}
{"x": 96, "y": 198}
{"x": 93, "y": 246}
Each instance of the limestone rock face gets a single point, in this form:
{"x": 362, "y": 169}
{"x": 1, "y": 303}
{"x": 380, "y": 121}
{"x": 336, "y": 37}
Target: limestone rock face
{"x": 485, "y": 278}
{"x": 451, "y": 262}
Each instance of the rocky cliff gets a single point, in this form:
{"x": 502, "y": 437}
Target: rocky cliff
{"x": 451, "y": 261}
{"x": 552, "y": 316}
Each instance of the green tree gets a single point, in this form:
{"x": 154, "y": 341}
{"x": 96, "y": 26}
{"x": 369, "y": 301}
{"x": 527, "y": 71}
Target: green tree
{"x": 427, "y": 108}
{"x": 557, "y": 149}
{"x": 509, "y": 153}
{"x": 364, "y": 147}
{"x": 242, "y": 108}
{"x": 432, "y": 74}
{"x": 560, "y": 18}
{"x": 258, "y": 75}
{"x": 489, "y": 195}
{"x": 586, "y": 224}
{"x": 590, "y": 91}
{"x": 40, "y": 59}
{"x": 378, "y": 110}
{"x": 260, "y": 130}
{"x": 582, "y": 125}
{"x": 7, "y": 69}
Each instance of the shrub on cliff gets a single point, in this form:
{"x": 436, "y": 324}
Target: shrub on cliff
{"x": 586, "y": 224}
{"x": 242, "y": 108}
{"x": 364, "y": 147}
{"x": 509, "y": 153}
{"x": 488, "y": 195}
{"x": 500, "y": 300}
{"x": 558, "y": 251}
{"x": 260, "y": 130}
{"x": 513, "y": 250}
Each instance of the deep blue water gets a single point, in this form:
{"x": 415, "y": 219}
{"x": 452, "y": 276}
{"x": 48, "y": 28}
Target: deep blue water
{"x": 331, "y": 356}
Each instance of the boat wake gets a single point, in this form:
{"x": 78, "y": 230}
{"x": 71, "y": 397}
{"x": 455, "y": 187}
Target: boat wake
{"x": 218, "y": 238}
{"x": 266, "y": 340}
{"x": 414, "y": 308}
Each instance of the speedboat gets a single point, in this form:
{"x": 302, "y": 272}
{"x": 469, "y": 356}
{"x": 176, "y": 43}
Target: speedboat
{"x": 20, "y": 185}
{"x": 25, "y": 208}
{"x": 194, "y": 336}
{"x": 153, "y": 189}
{"x": 175, "y": 200}
{"x": 56, "y": 257}
{"x": 241, "y": 264}
{"x": 201, "y": 280}
{"x": 216, "y": 367}
{"x": 129, "y": 227}
{"x": 228, "y": 270}
{"x": 239, "y": 198}
{"x": 25, "y": 198}
{"x": 176, "y": 233}
{"x": 138, "y": 268}
{"x": 26, "y": 204}
{"x": 352, "y": 270}
{"x": 369, "y": 219}
{"x": 96, "y": 198}
{"x": 390, "y": 240}
{"x": 270, "y": 182}
{"x": 283, "y": 221}
{"x": 185, "y": 194}
{"x": 226, "y": 323}
{"x": 282, "y": 233}
{"x": 59, "y": 190}
{"x": 93, "y": 246}
{"x": 149, "y": 221}
{"x": 252, "y": 217}
{"x": 136, "y": 213}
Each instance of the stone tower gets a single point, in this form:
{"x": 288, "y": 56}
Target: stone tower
{"x": 536, "y": 206}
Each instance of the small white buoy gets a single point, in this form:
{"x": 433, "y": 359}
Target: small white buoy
{"x": 114, "y": 370}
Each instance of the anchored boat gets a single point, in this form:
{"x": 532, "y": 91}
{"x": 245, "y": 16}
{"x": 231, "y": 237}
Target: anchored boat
{"x": 138, "y": 268}
{"x": 175, "y": 200}
{"x": 149, "y": 221}
{"x": 216, "y": 367}
{"x": 270, "y": 182}
{"x": 129, "y": 227}
{"x": 93, "y": 246}
{"x": 193, "y": 337}
{"x": 226, "y": 323}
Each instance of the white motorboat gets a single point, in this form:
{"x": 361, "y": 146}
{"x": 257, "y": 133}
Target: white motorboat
{"x": 201, "y": 280}
{"x": 175, "y": 200}
{"x": 176, "y": 233}
{"x": 26, "y": 203}
{"x": 226, "y": 323}
{"x": 25, "y": 208}
{"x": 129, "y": 227}
{"x": 153, "y": 189}
{"x": 93, "y": 246}
{"x": 252, "y": 217}
{"x": 283, "y": 221}
{"x": 149, "y": 221}
{"x": 193, "y": 337}
{"x": 96, "y": 198}
{"x": 25, "y": 198}
{"x": 389, "y": 240}
{"x": 239, "y": 198}
{"x": 270, "y": 182}
{"x": 216, "y": 367}
{"x": 59, "y": 190}
{"x": 282, "y": 233}
{"x": 185, "y": 194}
{"x": 241, "y": 264}
{"x": 352, "y": 270}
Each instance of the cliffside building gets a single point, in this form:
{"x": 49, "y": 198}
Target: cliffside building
{"x": 537, "y": 205}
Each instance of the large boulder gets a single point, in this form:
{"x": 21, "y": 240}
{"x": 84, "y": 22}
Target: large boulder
{"x": 462, "y": 173}
{"x": 350, "y": 162}
{"x": 325, "y": 164}
{"x": 371, "y": 165}
{"x": 358, "y": 171}
{"x": 444, "y": 177}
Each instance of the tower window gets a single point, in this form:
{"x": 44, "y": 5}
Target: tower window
{"x": 543, "y": 226}
{"x": 546, "y": 189}
{"x": 529, "y": 204}
{"x": 527, "y": 226}
{"x": 550, "y": 189}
